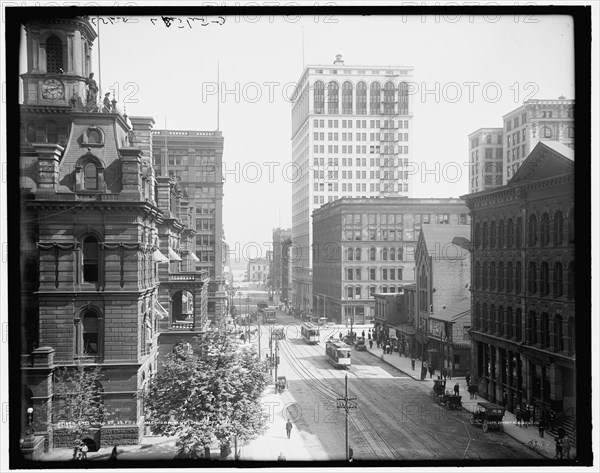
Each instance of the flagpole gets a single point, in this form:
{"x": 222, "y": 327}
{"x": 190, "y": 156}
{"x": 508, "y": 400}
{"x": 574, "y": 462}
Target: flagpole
{"x": 99, "y": 63}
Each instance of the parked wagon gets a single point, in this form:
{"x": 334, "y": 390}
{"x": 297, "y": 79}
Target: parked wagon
{"x": 488, "y": 415}
{"x": 443, "y": 396}
{"x": 360, "y": 344}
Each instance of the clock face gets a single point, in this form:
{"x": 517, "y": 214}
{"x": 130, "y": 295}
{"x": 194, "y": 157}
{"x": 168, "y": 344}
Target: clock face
{"x": 52, "y": 89}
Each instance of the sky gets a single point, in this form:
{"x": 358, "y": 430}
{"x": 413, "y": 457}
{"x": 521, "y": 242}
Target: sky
{"x": 468, "y": 72}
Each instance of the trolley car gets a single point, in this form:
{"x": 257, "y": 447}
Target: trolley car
{"x": 338, "y": 354}
{"x": 269, "y": 315}
{"x": 310, "y": 332}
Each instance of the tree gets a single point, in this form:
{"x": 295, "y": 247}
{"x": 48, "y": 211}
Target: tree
{"x": 77, "y": 403}
{"x": 209, "y": 394}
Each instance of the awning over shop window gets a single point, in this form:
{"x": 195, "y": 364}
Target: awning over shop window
{"x": 159, "y": 257}
{"x": 173, "y": 256}
{"x": 161, "y": 312}
{"x": 194, "y": 257}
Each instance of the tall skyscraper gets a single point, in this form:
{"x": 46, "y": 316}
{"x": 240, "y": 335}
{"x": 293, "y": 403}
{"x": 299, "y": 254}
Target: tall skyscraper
{"x": 351, "y": 134}
{"x": 485, "y": 159}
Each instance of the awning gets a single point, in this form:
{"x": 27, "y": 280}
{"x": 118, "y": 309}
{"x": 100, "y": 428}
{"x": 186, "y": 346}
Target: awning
{"x": 194, "y": 257}
{"x": 161, "y": 312}
{"x": 158, "y": 257}
{"x": 173, "y": 256}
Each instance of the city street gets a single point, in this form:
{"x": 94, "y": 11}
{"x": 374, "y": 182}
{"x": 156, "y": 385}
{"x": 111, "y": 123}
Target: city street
{"x": 395, "y": 418}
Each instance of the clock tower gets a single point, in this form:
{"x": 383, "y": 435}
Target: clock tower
{"x": 59, "y": 60}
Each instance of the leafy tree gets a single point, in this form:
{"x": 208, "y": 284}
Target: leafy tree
{"x": 211, "y": 393}
{"x": 77, "y": 402}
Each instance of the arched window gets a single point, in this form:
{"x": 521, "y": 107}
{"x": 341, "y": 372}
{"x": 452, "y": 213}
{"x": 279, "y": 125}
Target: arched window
{"x": 54, "y": 54}
{"x": 350, "y": 292}
{"x": 333, "y": 98}
{"x": 531, "y": 278}
{"x": 492, "y": 276}
{"x": 392, "y": 254}
{"x": 531, "y": 319}
{"x": 570, "y": 132}
{"x": 501, "y": 234}
{"x": 509, "y": 322}
{"x": 361, "y": 98}
{"x": 31, "y": 135}
{"x": 518, "y": 325}
{"x": 372, "y": 254}
{"x": 375, "y": 96}
{"x": 558, "y": 279}
{"x": 519, "y": 233}
{"x": 403, "y": 98}
{"x": 319, "y": 97}
{"x": 484, "y": 235}
{"x": 546, "y": 133}
{"x": 558, "y": 228}
{"x": 51, "y": 132}
{"x": 477, "y": 318}
{"x": 94, "y": 136}
{"x": 545, "y": 229}
{"x": 477, "y": 235}
{"x": 532, "y": 230}
{"x": 510, "y": 233}
{"x": 384, "y": 254}
{"x": 518, "y": 278}
{"x": 545, "y": 330}
{"x": 571, "y": 227}
{"x": 558, "y": 333}
{"x": 350, "y": 254}
{"x": 571, "y": 281}
{"x": 545, "y": 279}
{"x": 484, "y": 317}
{"x": 90, "y": 259}
{"x": 347, "y": 98}
{"x": 493, "y": 235}
{"x": 500, "y": 276}
{"x": 400, "y": 254}
{"x": 477, "y": 279}
{"x": 509, "y": 277}
{"x": 357, "y": 255}
{"x": 389, "y": 91}
{"x": 89, "y": 333}
{"x": 90, "y": 176}
{"x": 484, "y": 276}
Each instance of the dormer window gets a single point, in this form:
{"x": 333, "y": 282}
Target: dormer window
{"x": 54, "y": 55}
{"x": 94, "y": 136}
{"x": 90, "y": 177}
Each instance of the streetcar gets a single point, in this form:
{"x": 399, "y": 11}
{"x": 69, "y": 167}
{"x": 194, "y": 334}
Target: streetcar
{"x": 338, "y": 354}
{"x": 269, "y": 315}
{"x": 310, "y": 332}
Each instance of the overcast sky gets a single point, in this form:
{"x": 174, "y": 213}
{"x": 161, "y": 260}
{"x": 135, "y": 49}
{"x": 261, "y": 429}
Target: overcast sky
{"x": 476, "y": 69}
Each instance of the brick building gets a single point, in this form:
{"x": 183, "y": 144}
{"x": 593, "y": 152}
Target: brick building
{"x": 442, "y": 279}
{"x": 367, "y": 246}
{"x": 102, "y": 240}
{"x": 523, "y": 285}
{"x": 282, "y": 240}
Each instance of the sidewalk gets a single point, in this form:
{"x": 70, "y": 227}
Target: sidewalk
{"x": 522, "y": 434}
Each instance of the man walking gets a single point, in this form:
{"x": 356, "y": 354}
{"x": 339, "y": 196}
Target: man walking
{"x": 288, "y": 428}
{"x": 456, "y": 389}
{"x": 412, "y": 363}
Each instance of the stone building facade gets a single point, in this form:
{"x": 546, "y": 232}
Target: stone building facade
{"x": 523, "y": 284}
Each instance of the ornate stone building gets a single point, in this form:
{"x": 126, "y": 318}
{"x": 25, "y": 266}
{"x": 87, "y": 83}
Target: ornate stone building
{"x": 523, "y": 285}
{"x": 96, "y": 224}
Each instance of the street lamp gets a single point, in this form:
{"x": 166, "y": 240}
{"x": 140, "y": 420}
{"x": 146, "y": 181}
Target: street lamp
{"x": 30, "y": 422}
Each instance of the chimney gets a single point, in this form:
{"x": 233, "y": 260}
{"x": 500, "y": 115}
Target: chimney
{"x": 338, "y": 60}
{"x": 562, "y": 97}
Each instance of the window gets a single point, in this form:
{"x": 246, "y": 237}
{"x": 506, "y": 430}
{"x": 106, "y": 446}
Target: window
{"x": 372, "y": 254}
{"x": 558, "y": 333}
{"x": 493, "y": 276}
{"x": 89, "y": 324}
{"x": 54, "y": 54}
{"x": 375, "y": 98}
{"x": 372, "y": 274}
{"x": 347, "y": 98}
{"x": 532, "y": 230}
{"x": 484, "y": 276}
{"x": 357, "y": 274}
{"x": 509, "y": 277}
{"x": 484, "y": 235}
{"x": 319, "y": 97}
{"x": 392, "y": 254}
{"x": 350, "y": 292}
{"x": 532, "y": 339}
{"x": 332, "y": 98}
{"x": 361, "y": 99}
{"x": 531, "y": 278}
{"x": 403, "y": 99}
{"x": 558, "y": 228}
{"x": 90, "y": 176}
{"x": 389, "y": 92}
{"x": 384, "y": 254}
{"x": 571, "y": 281}
{"x": 546, "y": 133}
{"x": 350, "y": 254}
{"x": 509, "y": 233}
{"x": 384, "y": 274}
{"x": 500, "y": 277}
{"x": 350, "y": 274}
{"x": 493, "y": 235}
{"x": 545, "y": 230}
{"x": 519, "y": 235}
{"x": 501, "y": 234}
{"x": 558, "y": 280}
{"x": 518, "y": 278}
{"x": 357, "y": 255}
{"x": 544, "y": 279}
{"x": 90, "y": 259}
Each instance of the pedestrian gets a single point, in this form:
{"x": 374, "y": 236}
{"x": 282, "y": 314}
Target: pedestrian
{"x": 444, "y": 373}
{"x": 288, "y": 428}
{"x": 526, "y": 417}
{"x": 431, "y": 370}
{"x": 468, "y": 378}
{"x": 370, "y": 343}
{"x": 281, "y": 457}
{"x": 84, "y": 450}
{"x": 113, "y": 454}
{"x": 519, "y": 416}
{"x": 350, "y": 453}
{"x": 567, "y": 446}
{"x": 471, "y": 390}
{"x": 542, "y": 427}
{"x": 412, "y": 363}
{"x": 456, "y": 389}
{"x": 341, "y": 336}
{"x": 369, "y": 334}
{"x": 76, "y": 451}
{"x": 363, "y": 334}
{"x": 559, "y": 448}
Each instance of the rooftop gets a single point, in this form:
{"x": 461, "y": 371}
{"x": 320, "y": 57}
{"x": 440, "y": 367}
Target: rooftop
{"x": 439, "y": 240}
{"x": 459, "y": 311}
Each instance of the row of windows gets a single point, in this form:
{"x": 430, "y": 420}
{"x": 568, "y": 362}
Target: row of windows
{"x": 510, "y": 235}
{"x": 378, "y": 105}
{"x": 361, "y": 149}
{"x": 334, "y": 162}
{"x": 355, "y": 292}
{"x": 335, "y": 136}
{"x": 355, "y": 274}
{"x": 545, "y": 330}
{"x": 488, "y": 140}
{"x": 386, "y": 254}
{"x": 389, "y": 124}
{"x": 490, "y": 276}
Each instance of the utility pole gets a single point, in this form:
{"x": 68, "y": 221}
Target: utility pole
{"x": 258, "y": 325}
{"x": 346, "y": 403}
{"x": 271, "y": 350}
{"x": 276, "y": 357}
